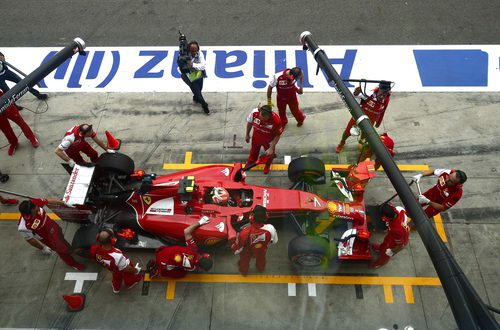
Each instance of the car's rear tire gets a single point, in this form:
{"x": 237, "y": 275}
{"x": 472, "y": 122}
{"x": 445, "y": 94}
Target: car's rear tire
{"x": 309, "y": 169}
{"x": 309, "y": 251}
{"x": 84, "y": 237}
{"x": 116, "y": 163}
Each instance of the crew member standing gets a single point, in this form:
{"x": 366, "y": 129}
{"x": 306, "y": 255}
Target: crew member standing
{"x": 446, "y": 193}
{"x": 366, "y": 152}
{"x": 115, "y": 261}
{"x": 74, "y": 142}
{"x": 176, "y": 261}
{"x": 13, "y": 114}
{"x": 37, "y": 228}
{"x": 267, "y": 131}
{"x": 194, "y": 79}
{"x": 254, "y": 240}
{"x": 7, "y": 75}
{"x": 373, "y": 106}
{"x": 286, "y": 94}
{"x": 398, "y": 233}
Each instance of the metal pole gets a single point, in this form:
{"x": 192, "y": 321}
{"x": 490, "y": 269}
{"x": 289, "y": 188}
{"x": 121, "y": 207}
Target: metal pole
{"x": 21, "y": 88}
{"x": 15, "y": 194}
{"x": 449, "y": 272}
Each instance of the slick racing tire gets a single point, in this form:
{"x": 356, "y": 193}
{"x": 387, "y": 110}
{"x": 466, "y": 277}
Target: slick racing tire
{"x": 308, "y": 251}
{"x": 84, "y": 237}
{"x": 309, "y": 169}
{"x": 116, "y": 163}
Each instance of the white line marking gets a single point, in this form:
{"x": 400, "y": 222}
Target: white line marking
{"x": 292, "y": 289}
{"x": 80, "y": 278}
{"x": 311, "y": 289}
{"x": 288, "y": 159}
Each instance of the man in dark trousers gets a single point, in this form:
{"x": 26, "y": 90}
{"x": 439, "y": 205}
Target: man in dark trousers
{"x": 115, "y": 261}
{"x": 254, "y": 240}
{"x": 41, "y": 232}
{"x": 176, "y": 261}
{"x": 7, "y": 75}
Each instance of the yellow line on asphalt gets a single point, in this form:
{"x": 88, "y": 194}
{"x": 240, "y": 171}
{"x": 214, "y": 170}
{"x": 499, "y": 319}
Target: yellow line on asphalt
{"x": 438, "y": 221}
{"x": 15, "y": 216}
{"x": 386, "y": 282}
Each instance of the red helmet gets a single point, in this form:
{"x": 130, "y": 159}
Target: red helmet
{"x": 220, "y": 195}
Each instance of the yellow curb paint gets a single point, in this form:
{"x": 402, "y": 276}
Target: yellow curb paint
{"x": 409, "y": 294}
{"x": 170, "y": 290}
{"x": 188, "y": 157}
{"x": 438, "y": 221}
{"x": 389, "y": 298}
{"x": 15, "y": 216}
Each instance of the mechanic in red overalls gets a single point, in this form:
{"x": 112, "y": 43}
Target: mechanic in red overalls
{"x": 37, "y": 228}
{"x": 446, "y": 193}
{"x": 366, "y": 152}
{"x": 254, "y": 240}
{"x": 12, "y": 113}
{"x": 115, "y": 261}
{"x": 74, "y": 142}
{"x": 398, "y": 233}
{"x": 373, "y": 106}
{"x": 267, "y": 131}
{"x": 176, "y": 261}
{"x": 287, "y": 91}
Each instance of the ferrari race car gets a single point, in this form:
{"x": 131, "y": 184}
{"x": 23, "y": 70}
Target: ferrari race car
{"x": 147, "y": 211}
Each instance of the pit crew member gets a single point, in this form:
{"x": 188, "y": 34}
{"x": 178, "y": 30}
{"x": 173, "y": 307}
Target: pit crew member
{"x": 398, "y": 233}
{"x": 115, "y": 261}
{"x": 367, "y": 153}
{"x": 267, "y": 131}
{"x": 373, "y": 106}
{"x": 446, "y": 193}
{"x": 41, "y": 232}
{"x": 254, "y": 240}
{"x": 12, "y": 113}
{"x": 74, "y": 142}
{"x": 176, "y": 261}
{"x": 286, "y": 93}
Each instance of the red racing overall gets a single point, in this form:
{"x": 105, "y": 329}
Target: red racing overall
{"x": 263, "y": 133}
{"x": 254, "y": 241}
{"x": 373, "y": 109}
{"x": 115, "y": 261}
{"x": 176, "y": 261}
{"x": 398, "y": 233}
{"x": 12, "y": 113}
{"x": 441, "y": 193}
{"x": 286, "y": 94}
{"x": 43, "y": 228}
{"x": 73, "y": 143}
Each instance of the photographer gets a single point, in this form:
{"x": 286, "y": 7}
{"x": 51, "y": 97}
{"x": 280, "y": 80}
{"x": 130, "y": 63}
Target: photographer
{"x": 192, "y": 66}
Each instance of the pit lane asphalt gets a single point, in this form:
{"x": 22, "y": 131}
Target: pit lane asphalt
{"x": 32, "y": 285}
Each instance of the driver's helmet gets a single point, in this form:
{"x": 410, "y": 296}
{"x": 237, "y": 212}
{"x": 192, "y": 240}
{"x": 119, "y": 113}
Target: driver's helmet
{"x": 219, "y": 195}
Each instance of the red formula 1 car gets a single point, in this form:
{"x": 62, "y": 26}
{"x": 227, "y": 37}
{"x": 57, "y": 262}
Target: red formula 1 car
{"x": 147, "y": 211}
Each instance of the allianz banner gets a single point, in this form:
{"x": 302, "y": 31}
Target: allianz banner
{"x": 249, "y": 68}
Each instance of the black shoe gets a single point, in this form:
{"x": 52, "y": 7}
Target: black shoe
{"x": 205, "y": 108}
{"x": 42, "y": 96}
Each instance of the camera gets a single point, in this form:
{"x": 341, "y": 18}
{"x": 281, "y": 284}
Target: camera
{"x": 184, "y": 57}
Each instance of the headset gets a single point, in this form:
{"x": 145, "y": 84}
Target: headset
{"x": 111, "y": 239}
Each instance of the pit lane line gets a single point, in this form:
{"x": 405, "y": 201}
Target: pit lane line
{"x": 291, "y": 280}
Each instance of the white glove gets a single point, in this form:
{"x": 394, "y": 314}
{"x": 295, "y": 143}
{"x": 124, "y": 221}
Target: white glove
{"x": 110, "y": 151}
{"x": 204, "y": 220}
{"x": 69, "y": 204}
{"x": 389, "y": 253}
{"x": 423, "y": 200}
{"x": 46, "y": 251}
{"x": 71, "y": 163}
{"x": 417, "y": 177}
{"x": 137, "y": 269}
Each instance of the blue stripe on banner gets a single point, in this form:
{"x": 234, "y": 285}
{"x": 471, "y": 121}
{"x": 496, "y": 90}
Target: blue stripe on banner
{"x": 457, "y": 68}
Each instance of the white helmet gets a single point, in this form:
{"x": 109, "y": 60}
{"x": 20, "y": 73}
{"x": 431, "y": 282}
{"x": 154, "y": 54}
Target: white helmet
{"x": 219, "y": 195}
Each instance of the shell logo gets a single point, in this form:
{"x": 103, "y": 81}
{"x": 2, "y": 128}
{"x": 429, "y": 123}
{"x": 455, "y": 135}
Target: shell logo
{"x": 177, "y": 258}
{"x": 212, "y": 241}
{"x": 332, "y": 207}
